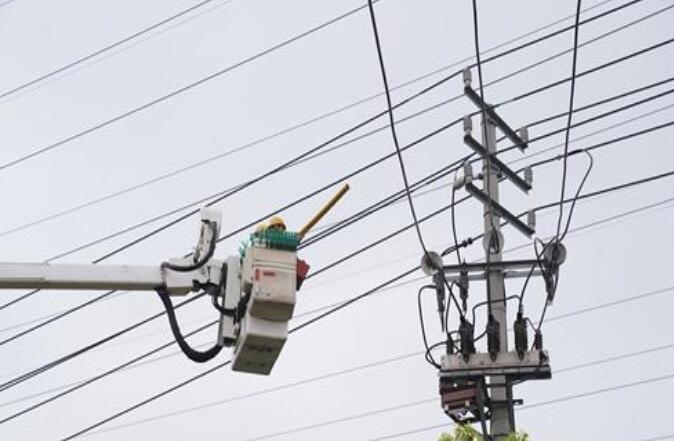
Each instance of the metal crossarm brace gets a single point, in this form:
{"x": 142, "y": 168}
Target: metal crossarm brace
{"x": 491, "y": 113}
{"x": 497, "y": 163}
{"x": 500, "y": 210}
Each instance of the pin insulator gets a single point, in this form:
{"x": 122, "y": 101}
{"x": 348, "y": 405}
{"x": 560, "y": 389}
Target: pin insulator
{"x": 493, "y": 337}
{"x": 538, "y": 340}
{"x": 466, "y": 336}
{"x": 521, "y": 335}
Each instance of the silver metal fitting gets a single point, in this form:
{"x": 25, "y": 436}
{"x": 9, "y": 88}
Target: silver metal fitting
{"x": 467, "y": 77}
{"x": 531, "y": 219}
{"x": 467, "y": 125}
{"x": 528, "y": 175}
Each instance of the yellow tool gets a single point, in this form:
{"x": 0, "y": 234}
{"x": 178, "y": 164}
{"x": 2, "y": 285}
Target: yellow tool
{"x": 305, "y": 229}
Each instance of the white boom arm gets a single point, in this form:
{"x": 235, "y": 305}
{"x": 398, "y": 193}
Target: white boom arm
{"x": 92, "y": 277}
{"x": 254, "y": 292}
{"x": 119, "y": 277}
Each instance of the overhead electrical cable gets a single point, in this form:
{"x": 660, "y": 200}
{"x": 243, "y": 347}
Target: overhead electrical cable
{"x": 234, "y": 188}
{"x": 190, "y": 380}
{"x": 569, "y": 119}
{"x": 116, "y": 44}
{"x": 351, "y": 255}
{"x": 336, "y": 309}
{"x": 181, "y": 90}
{"x": 216, "y": 74}
{"x": 436, "y": 400}
{"x": 582, "y": 311}
{"x": 562, "y": 399}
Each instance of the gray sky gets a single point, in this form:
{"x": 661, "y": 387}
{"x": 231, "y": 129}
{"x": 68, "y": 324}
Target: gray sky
{"x": 315, "y": 75}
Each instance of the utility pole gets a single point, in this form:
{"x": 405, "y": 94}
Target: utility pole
{"x": 502, "y": 412}
{"x": 476, "y": 386}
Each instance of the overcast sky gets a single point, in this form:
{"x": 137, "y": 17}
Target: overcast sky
{"x": 321, "y": 73}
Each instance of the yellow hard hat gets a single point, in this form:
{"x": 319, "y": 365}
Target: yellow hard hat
{"x": 276, "y": 221}
{"x": 260, "y": 228}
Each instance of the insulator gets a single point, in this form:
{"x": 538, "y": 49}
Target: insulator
{"x": 466, "y": 336}
{"x": 538, "y": 340}
{"x": 493, "y": 337}
{"x": 440, "y": 297}
{"x": 463, "y": 289}
{"x": 521, "y": 335}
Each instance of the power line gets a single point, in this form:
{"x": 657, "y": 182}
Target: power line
{"x": 182, "y": 89}
{"x": 423, "y": 91}
{"x": 547, "y": 403}
{"x": 108, "y": 48}
{"x": 358, "y": 369}
{"x": 649, "y": 179}
{"x": 303, "y": 325}
{"x": 292, "y": 128}
{"x": 574, "y": 313}
{"x": 223, "y": 195}
{"x": 395, "y": 197}
{"x": 388, "y": 409}
{"x": 314, "y": 274}
{"x": 27, "y": 376}
{"x": 568, "y": 122}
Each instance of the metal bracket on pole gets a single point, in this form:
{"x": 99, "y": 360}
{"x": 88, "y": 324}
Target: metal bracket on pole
{"x": 515, "y": 138}
{"x": 497, "y": 163}
{"x": 533, "y": 365}
{"x": 500, "y": 210}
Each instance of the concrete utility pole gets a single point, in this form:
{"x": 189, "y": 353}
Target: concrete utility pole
{"x": 502, "y": 412}
{"x": 466, "y": 395}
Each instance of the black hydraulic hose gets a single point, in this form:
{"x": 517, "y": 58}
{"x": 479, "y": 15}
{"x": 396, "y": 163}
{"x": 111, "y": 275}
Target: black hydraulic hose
{"x": 192, "y": 354}
{"x": 201, "y": 262}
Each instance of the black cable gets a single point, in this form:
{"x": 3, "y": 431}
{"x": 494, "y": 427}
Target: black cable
{"x": 447, "y": 207}
{"x": 189, "y": 351}
{"x": 406, "y": 356}
{"x": 394, "y": 234}
{"x": 454, "y": 166}
{"x": 298, "y": 160}
{"x": 104, "y": 49}
{"x": 253, "y": 58}
{"x": 553, "y": 204}
{"x": 546, "y": 403}
{"x": 90, "y": 380}
{"x": 429, "y": 357}
{"x": 315, "y": 119}
{"x": 213, "y": 226}
{"x": 180, "y": 90}
{"x": 403, "y": 172}
{"x": 435, "y": 399}
{"x": 24, "y": 377}
{"x": 454, "y": 235}
{"x": 420, "y": 93}
{"x": 570, "y": 116}
{"x": 392, "y": 125}
{"x": 320, "y": 317}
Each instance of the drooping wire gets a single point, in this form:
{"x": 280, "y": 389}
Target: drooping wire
{"x": 347, "y": 107}
{"x": 350, "y": 301}
{"x": 27, "y": 376}
{"x": 189, "y": 351}
{"x": 570, "y": 116}
{"x": 181, "y": 90}
{"x": 401, "y": 162}
{"x": 628, "y": 136}
{"x": 107, "y": 48}
{"x": 429, "y": 356}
